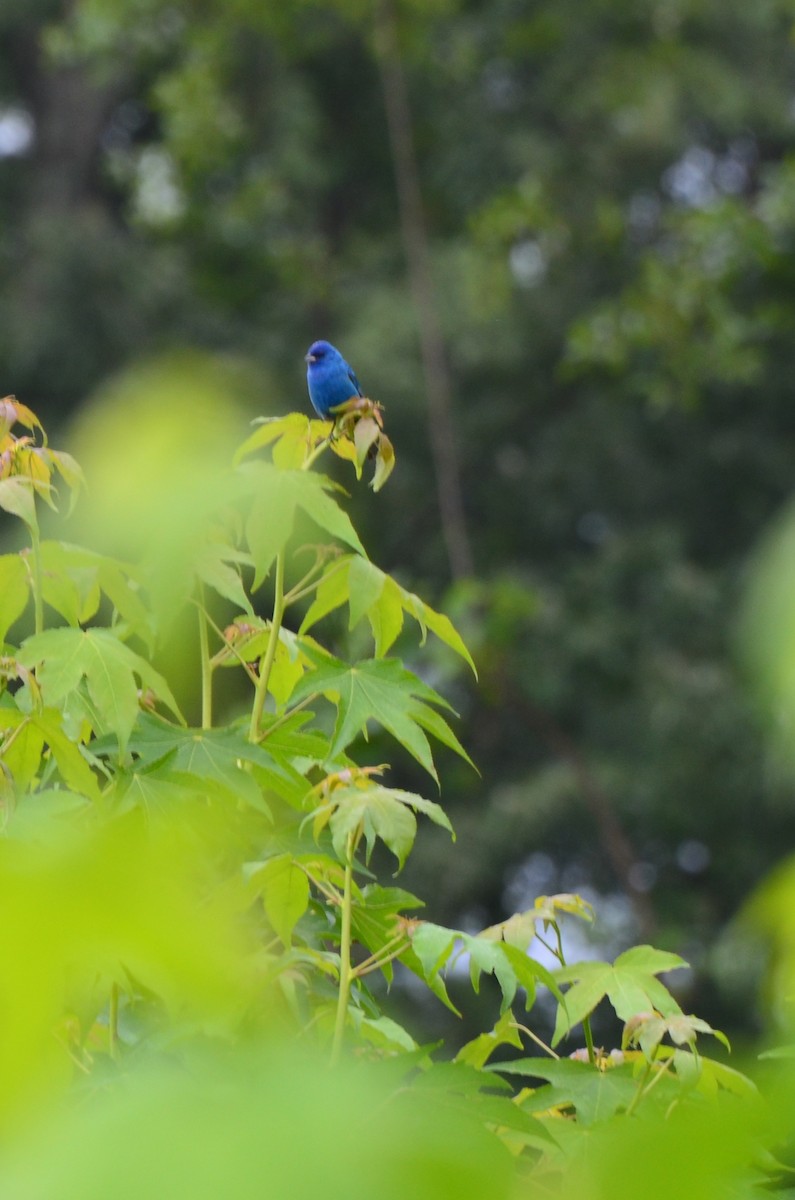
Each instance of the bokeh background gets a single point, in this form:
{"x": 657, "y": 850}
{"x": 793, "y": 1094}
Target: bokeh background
{"x": 556, "y": 239}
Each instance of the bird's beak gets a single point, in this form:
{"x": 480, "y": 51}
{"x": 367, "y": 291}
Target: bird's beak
{"x": 310, "y": 358}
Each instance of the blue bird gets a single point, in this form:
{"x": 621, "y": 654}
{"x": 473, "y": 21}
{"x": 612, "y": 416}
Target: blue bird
{"x": 331, "y": 381}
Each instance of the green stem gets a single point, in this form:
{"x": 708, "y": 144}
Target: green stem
{"x": 315, "y": 454}
{"x": 302, "y": 588}
{"x": 207, "y": 666}
{"x": 38, "y": 602}
{"x": 345, "y": 953}
{"x": 270, "y": 652}
{"x": 538, "y": 1041}
{"x": 639, "y": 1094}
{"x": 389, "y": 951}
{"x": 586, "y": 1028}
{"x": 286, "y": 716}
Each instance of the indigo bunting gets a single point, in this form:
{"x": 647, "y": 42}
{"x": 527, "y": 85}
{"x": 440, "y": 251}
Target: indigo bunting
{"x": 331, "y": 381}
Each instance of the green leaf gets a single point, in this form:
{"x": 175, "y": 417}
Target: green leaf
{"x": 14, "y": 586}
{"x": 72, "y": 767}
{"x": 21, "y": 750}
{"x": 70, "y": 583}
{"x": 386, "y": 617}
{"x": 17, "y": 497}
{"x": 111, "y": 670}
{"x": 480, "y": 1049}
{"x": 376, "y": 918}
{"x": 213, "y": 567}
{"x": 379, "y": 814}
{"x": 218, "y": 754}
{"x": 331, "y": 593}
{"x": 648, "y": 1029}
{"x": 489, "y": 957}
{"x": 438, "y": 623}
{"x": 383, "y": 691}
{"x": 372, "y": 593}
{"x": 365, "y": 584}
{"x": 596, "y": 1094}
{"x": 284, "y": 888}
{"x": 630, "y": 984}
{"x": 382, "y": 812}
{"x": 277, "y": 498}
{"x": 295, "y": 427}
{"x": 384, "y": 463}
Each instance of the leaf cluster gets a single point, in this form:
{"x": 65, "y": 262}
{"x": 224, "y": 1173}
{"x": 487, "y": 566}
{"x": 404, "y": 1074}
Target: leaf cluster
{"x": 172, "y": 888}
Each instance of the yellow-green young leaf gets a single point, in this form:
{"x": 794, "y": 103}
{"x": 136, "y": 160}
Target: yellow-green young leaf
{"x": 477, "y": 1052}
{"x": 332, "y": 591}
{"x": 291, "y": 449}
{"x": 269, "y": 430}
{"x": 288, "y": 668}
{"x": 374, "y": 807}
{"x": 365, "y": 433}
{"x": 379, "y": 815}
{"x": 384, "y": 463}
{"x": 438, "y": 623}
{"x": 17, "y": 498}
{"x": 72, "y": 767}
{"x": 519, "y": 930}
{"x": 386, "y": 617}
{"x": 365, "y": 584}
{"x": 70, "y": 471}
{"x": 314, "y": 499}
{"x": 21, "y": 747}
{"x": 14, "y": 584}
{"x": 284, "y": 888}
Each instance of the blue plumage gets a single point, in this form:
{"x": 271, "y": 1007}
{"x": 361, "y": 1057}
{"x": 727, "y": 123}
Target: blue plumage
{"x": 331, "y": 381}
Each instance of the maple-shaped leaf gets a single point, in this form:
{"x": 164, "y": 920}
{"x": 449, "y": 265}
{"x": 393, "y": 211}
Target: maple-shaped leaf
{"x": 379, "y": 812}
{"x": 284, "y": 889}
{"x": 72, "y": 579}
{"x": 218, "y": 566}
{"x": 647, "y": 1030}
{"x": 370, "y": 592}
{"x": 384, "y": 691}
{"x": 113, "y": 674}
{"x": 595, "y": 1094}
{"x": 480, "y": 1049}
{"x": 292, "y": 436}
{"x": 437, "y": 947}
{"x": 630, "y": 984}
{"x": 219, "y": 755}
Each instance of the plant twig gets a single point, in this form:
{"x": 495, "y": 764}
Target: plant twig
{"x": 206, "y": 664}
{"x": 345, "y": 952}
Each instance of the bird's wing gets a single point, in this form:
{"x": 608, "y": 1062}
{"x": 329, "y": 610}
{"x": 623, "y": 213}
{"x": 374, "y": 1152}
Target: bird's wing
{"x": 354, "y": 380}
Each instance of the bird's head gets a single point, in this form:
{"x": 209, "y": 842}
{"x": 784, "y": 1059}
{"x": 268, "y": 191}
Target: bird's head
{"x": 318, "y": 351}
